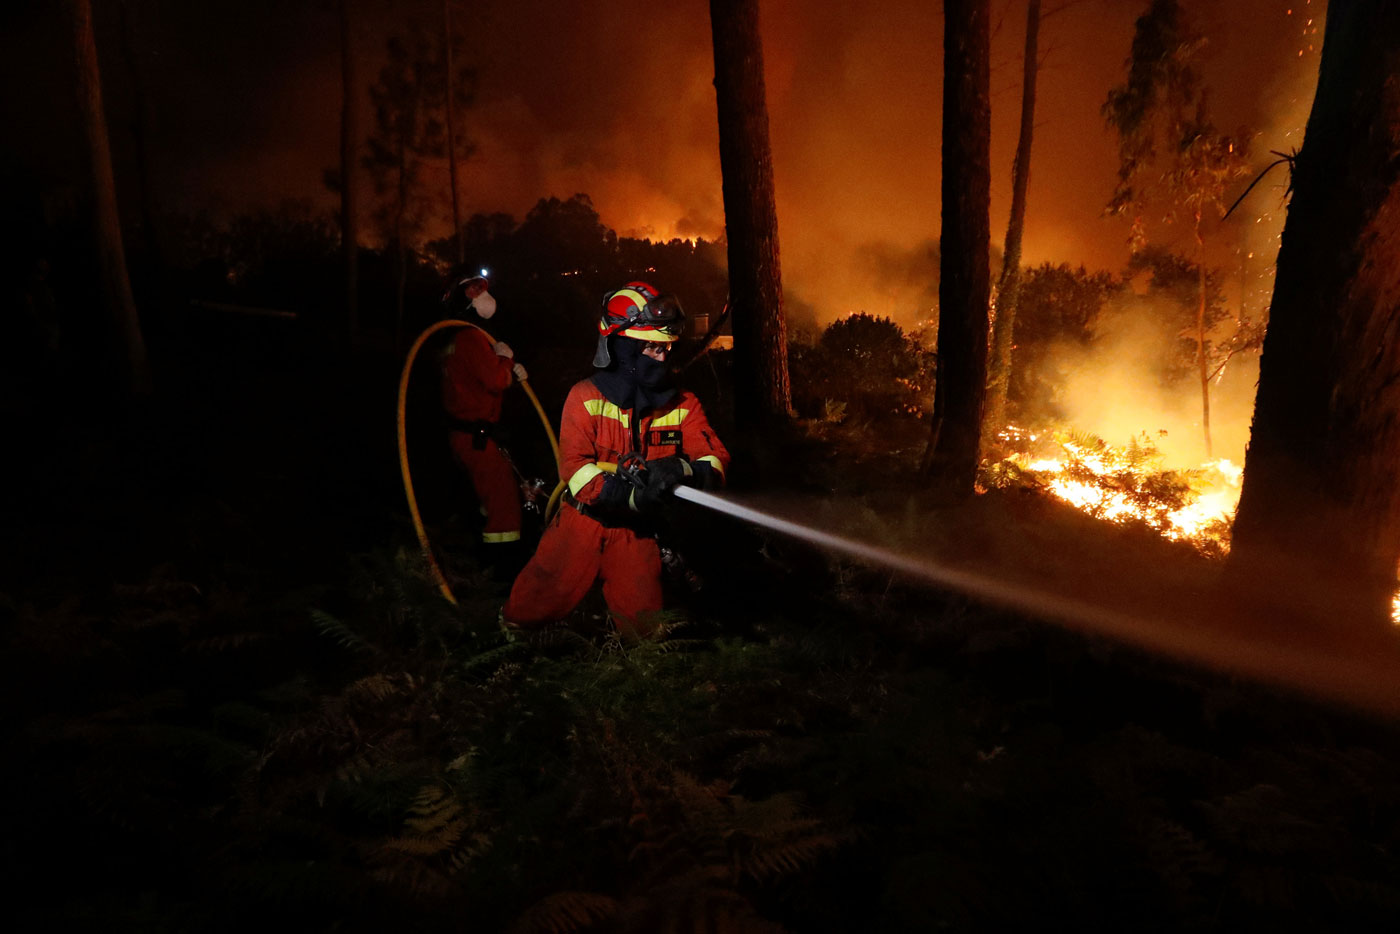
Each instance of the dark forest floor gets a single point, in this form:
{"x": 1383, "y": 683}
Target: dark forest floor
{"x": 232, "y": 698}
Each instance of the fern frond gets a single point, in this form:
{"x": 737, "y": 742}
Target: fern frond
{"x": 773, "y": 861}
{"x": 338, "y": 632}
{"x": 375, "y": 687}
{"x": 565, "y": 913}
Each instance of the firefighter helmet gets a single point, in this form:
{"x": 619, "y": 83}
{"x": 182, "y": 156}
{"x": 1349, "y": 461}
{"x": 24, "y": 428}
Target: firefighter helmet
{"x": 638, "y": 311}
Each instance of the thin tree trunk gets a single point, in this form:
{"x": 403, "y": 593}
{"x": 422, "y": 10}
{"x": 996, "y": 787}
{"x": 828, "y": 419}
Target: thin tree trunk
{"x": 1009, "y": 286}
{"x": 1201, "y": 361}
{"x": 150, "y": 234}
{"x": 349, "y": 138}
{"x": 400, "y": 217}
{"x": 762, "y": 390}
{"x": 964, "y": 284}
{"x": 452, "y": 133}
{"x": 1320, "y": 508}
{"x": 116, "y": 286}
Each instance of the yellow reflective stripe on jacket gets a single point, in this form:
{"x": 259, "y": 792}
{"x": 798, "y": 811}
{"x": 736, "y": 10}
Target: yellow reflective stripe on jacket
{"x": 607, "y": 410}
{"x": 670, "y": 419}
{"x": 582, "y": 477}
{"x": 713, "y": 461}
{"x": 490, "y": 537}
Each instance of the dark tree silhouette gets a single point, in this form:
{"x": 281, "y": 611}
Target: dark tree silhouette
{"x": 449, "y": 79}
{"x": 1320, "y": 477}
{"x": 410, "y": 100}
{"x": 349, "y": 142}
{"x": 116, "y": 285}
{"x": 762, "y": 389}
{"x": 1009, "y": 283}
{"x": 964, "y": 281}
{"x": 147, "y": 200}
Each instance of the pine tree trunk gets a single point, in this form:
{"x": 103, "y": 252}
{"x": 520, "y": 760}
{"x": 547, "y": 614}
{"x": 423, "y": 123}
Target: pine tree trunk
{"x": 1202, "y": 363}
{"x": 1009, "y": 286}
{"x": 150, "y": 234}
{"x": 400, "y": 248}
{"x": 116, "y": 286}
{"x": 762, "y": 391}
{"x": 349, "y": 208}
{"x": 964, "y": 285}
{"x": 1320, "y": 478}
{"x": 452, "y": 133}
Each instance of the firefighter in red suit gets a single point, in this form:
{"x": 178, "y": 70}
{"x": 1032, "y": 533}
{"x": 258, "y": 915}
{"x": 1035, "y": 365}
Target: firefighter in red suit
{"x": 476, "y": 371}
{"x": 627, "y": 413}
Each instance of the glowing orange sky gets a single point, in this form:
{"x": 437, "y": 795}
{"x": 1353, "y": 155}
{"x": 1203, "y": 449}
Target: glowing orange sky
{"x": 614, "y": 98}
{"x": 854, "y": 96}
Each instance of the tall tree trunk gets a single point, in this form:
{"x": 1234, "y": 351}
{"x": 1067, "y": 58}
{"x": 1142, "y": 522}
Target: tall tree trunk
{"x": 1320, "y": 476}
{"x": 1201, "y": 361}
{"x": 1009, "y": 284}
{"x": 150, "y": 234}
{"x": 964, "y": 285}
{"x": 452, "y": 133}
{"x": 116, "y": 286}
{"x": 762, "y": 391}
{"x": 400, "y": 248}
{"x": 349, "y": 208}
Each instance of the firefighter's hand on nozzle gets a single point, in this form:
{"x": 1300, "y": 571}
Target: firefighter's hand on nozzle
{"x": 520, "y": 374}
{"x": 667, "y": 473}
{"x": 503, "y": 350}
{"x": 661, "y": 477}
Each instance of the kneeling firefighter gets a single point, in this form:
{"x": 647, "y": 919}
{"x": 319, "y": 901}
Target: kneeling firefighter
{"x": 476, "y": 371}
{"x": 627, "y": 413}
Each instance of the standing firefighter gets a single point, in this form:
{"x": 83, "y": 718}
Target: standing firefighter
{"x": 629, "y": 414}
{"x": 476, "y": 372}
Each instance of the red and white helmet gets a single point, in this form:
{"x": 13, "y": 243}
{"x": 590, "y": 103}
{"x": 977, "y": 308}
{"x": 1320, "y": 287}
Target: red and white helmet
{"x": 638, "y": 311}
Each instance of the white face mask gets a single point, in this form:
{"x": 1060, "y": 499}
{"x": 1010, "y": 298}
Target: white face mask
{"x": 485, "y": 305}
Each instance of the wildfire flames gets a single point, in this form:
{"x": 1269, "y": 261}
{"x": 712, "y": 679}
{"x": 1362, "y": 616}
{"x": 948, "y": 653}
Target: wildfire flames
{"x": 1129, "y": 485}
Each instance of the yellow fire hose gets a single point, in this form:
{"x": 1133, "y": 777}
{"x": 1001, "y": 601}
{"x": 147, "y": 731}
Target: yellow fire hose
{"x": 423, "y": 542}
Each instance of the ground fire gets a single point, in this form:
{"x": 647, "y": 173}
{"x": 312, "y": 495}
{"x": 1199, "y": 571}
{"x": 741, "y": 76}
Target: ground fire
{"x": 1130, "y": 484}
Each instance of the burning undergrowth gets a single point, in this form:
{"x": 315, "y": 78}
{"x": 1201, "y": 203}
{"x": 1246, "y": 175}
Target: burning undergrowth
{"x": 1127, "y": 485}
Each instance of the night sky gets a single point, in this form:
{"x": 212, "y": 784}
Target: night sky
{"x": 615, "y": 99}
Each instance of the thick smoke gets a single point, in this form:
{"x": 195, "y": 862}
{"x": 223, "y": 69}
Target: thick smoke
{"x": 1115, "y": 389}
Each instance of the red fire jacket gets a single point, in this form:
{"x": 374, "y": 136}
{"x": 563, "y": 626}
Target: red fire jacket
{"x": 595, "y": 430}
{"x": 474, "y": 377}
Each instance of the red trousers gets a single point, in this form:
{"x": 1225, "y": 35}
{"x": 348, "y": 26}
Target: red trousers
{"x": 574, "y": 552}
{"x": 495, "y": 486}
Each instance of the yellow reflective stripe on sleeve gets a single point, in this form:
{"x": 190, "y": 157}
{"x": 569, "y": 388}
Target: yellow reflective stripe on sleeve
{"x": 582, "y": 477}
{"x": 713, "y": 461}
{"x": 607, "y": 410}
{"x": 670, "y": 419}
{"x": 491, "y": 537}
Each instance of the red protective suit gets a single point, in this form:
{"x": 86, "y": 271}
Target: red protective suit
{"x": 474, "y": 378}
{"x": 577, "y": 548}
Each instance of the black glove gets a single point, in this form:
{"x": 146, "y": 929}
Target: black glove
{"x": 661, "y": 476}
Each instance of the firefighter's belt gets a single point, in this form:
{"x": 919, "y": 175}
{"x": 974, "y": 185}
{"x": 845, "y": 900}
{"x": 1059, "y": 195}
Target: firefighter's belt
{"x": 480, "y": 430}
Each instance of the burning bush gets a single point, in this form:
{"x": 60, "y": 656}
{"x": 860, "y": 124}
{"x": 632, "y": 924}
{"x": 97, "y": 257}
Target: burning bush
{"x": 1125, "y": 485}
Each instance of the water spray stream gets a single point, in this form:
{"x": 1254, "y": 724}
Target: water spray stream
{"x": 1352, "y": 674}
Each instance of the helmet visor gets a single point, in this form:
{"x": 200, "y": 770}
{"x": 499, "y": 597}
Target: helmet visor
{"x": 663, "y": 314}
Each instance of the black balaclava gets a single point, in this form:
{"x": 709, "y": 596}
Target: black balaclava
{"x": 633, "y": 380}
